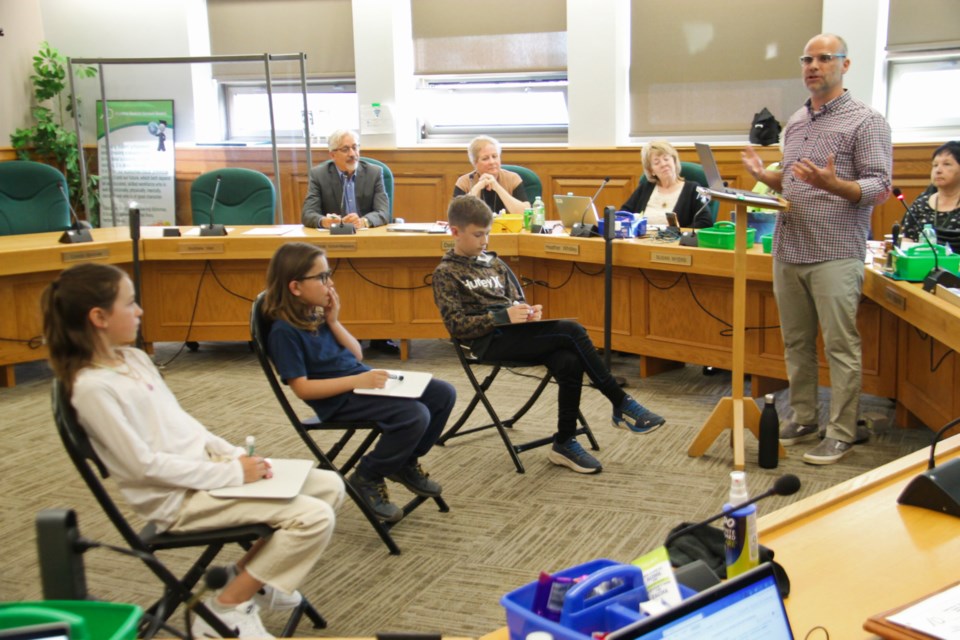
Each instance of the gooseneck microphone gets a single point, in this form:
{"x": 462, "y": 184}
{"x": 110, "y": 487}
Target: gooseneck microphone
{"x": 80, "y": 230}
{"x": 786, "y": 485}
{"x": 581, "y": 230}
{"x": 937, "y": 488}
{"x": 936, "y": 275}
{"x": 214, "y": 229}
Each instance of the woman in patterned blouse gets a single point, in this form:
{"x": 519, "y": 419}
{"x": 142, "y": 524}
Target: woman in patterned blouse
{"x": 940, "y": 207}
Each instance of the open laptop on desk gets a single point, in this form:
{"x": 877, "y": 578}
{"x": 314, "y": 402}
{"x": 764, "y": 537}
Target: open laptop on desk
{"x": 575, "y": 209}
{"x": 748, "y": 606}
{"x": 712, "y": 172}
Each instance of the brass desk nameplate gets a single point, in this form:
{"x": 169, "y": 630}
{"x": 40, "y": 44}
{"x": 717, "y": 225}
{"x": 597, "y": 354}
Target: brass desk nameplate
{"x": 894, "y": 298}
{"x": 566, "y": 249}
{"x": 205, "y": 247}
{"x": 678, "y": 259}
{"x": 84, "y": 256}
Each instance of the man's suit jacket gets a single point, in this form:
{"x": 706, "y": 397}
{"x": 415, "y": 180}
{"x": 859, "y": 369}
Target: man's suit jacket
{"x": 325, "y": 194}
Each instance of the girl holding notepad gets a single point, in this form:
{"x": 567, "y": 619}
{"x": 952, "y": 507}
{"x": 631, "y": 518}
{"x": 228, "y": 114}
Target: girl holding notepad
{"x": 322, "y": 363}
{"x": 165, "y": 462}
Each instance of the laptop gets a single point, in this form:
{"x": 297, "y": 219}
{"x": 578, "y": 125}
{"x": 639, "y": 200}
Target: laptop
{"x": 712, "y": 172}
{"x": 748, "y": 606}
{"x": 575, "y": 209}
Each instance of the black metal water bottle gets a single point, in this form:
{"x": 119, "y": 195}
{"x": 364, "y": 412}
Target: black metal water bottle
{"x": 769, "y": 450}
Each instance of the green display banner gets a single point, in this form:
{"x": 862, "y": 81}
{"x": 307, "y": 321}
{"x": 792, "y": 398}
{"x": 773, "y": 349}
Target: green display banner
{"x": 142, "y": 162}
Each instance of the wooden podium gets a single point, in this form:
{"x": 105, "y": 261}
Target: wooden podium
{"x": 736, "y": 412}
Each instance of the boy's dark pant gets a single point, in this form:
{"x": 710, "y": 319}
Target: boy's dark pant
{"x": 411, "y": 426}
{"x": 564, "y": 347}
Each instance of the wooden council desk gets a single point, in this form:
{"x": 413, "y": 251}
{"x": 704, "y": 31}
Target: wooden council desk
{"x": 851, "y": 551}
{"x": 672, "y": 304}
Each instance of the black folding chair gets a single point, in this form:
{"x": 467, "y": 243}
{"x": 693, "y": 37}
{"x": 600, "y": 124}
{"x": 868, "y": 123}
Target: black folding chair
{"x": 259, "y": 330}
{"x": 470, "y": 362}
{"x": 145, "y": 543}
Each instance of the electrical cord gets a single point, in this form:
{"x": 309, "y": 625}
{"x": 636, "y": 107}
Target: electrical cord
{"x": 826, "y": 634}
{"x": 193, "y": 315}
{"x": 546, "y": 285}
{"x": 427, "y": 280}
{"x": 33, "y": 343}
{"x": 925, "y": 336}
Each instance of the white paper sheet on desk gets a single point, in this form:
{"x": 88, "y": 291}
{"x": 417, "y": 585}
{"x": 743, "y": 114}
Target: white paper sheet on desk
{"x": 279, "y": 230}
{"x": 938, "y": 615}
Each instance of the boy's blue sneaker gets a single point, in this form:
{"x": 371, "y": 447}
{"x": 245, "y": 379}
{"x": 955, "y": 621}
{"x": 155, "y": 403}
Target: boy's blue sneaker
{"x": 571, "y": 454}
{"x": 635, "y": 417}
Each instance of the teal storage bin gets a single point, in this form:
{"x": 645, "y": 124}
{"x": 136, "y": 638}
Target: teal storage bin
{"x": 88, "y": 620}
{"x": 583, "y": 614}
{"x": 914, "y": 263}
{"x": 723, "y": 235}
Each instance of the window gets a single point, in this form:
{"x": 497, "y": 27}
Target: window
{"x": 528, "y": 109}
{"x": 506, "y": 78}
{"x": 913, "y": 106}
{"x": 331, "y": 105}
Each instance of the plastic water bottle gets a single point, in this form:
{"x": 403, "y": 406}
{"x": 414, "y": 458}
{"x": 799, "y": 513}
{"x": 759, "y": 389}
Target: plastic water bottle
{"x": 740, "y": 529}
{"x": 539, "y": 214}
{"x": 931, "y": 234}
{"x": 769, "y": 453}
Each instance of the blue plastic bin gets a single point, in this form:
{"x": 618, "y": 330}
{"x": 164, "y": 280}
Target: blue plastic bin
{"x": 581, "y": 614}
{"x": 628, "y": 225}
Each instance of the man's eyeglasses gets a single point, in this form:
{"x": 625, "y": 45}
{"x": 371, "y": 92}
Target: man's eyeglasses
{"x": 348, "y": 149}
{"x": 823, "y": 58}
{"x": 323, "y": 277}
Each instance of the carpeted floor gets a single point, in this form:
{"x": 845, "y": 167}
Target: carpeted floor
{"x": 503, "y": 527}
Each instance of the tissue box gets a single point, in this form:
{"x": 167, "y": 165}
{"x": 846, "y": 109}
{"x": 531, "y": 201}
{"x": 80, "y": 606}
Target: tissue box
{"x": 584, "y": 613}
{"x": 626, "y": 225}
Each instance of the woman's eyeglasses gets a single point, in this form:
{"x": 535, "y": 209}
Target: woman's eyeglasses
{"x": 323, "y": 277}
{"x": 823, "y": 58}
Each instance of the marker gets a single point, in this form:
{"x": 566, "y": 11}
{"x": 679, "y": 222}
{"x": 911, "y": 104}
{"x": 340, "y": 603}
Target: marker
{"x": 251, "y": 445}
{"x": 395, "y": 376}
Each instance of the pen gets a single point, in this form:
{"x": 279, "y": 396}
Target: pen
{"x": 251, "y": 445}
{"x": 395, "y": 376}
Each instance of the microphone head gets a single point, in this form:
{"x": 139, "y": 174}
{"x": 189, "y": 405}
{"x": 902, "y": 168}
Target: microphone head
{"x": 897, "y": 193}
{"x": 216, "y": 577}
{"x": 606, "y": 180}
{"x": 786, "y": 485}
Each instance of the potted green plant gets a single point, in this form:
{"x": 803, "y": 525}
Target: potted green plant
{"x": 48, "y": 140}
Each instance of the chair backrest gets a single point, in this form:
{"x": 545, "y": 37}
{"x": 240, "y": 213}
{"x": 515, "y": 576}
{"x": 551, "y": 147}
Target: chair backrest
{"x": 531, "y": 181}
{"x": 245, "y": 197}
{"x": 259, "y": 330}
{"x": 387, "y": 182}
{"x": 33, "y": 198}
{"x": 89, "y": 464}
{"x": 693, "y": 172}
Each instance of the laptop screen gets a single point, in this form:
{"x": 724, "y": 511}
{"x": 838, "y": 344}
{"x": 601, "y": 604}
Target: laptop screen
{"x": 709, "y": 164}
{"x": 748, "y": 606}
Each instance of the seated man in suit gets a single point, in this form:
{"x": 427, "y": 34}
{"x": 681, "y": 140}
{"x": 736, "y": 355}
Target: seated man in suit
{"x": 347, "y": 189}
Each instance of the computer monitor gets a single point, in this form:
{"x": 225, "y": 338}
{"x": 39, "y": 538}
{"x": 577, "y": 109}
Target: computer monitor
{"x": 747, "y": 606}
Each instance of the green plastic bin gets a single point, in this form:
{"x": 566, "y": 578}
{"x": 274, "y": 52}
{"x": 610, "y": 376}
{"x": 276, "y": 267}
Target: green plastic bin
{"x": 767, "y": 242}
{"x": 723, "y": 235}
{"x": 88, "y": 620}
{"x": 914, "y": 263}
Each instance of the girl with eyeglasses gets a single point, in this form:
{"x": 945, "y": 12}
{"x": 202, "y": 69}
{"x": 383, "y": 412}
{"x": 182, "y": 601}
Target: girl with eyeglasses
{"x": 321, "y": 361}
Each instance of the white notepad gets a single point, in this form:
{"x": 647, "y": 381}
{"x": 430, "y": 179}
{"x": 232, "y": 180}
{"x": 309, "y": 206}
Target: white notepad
{"x": 287, "y": 481}
{"x": 412, "y": 385}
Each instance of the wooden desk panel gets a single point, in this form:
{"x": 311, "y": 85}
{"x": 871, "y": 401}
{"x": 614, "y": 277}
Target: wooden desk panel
{"x": 852, "y": 551}
{"x": 28, "y": 263}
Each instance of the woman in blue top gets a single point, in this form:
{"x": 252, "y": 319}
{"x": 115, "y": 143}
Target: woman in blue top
{"x": 321, "y": 362}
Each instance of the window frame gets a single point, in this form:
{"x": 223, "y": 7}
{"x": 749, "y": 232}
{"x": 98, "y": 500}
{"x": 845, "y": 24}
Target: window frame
{"x": 898, "y": 60}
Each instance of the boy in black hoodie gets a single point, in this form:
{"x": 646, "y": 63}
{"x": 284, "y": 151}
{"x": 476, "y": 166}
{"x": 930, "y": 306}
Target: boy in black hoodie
{"x": 483, "y": 306}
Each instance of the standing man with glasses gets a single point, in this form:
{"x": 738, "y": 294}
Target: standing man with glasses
{"x": 345, "y": 188}
{"x": 837, "y": 162}
{"x": 348, "y": 189}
